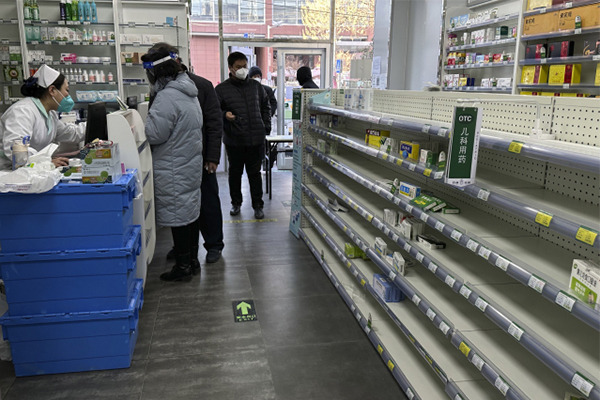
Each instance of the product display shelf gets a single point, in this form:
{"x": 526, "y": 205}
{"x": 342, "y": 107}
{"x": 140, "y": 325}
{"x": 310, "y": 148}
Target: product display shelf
{"x": 493, "y": 43}
{"x": 490, "y": 22}
{"x": 9, "y": 22}
{"x": 416, "y": 378}
{"x": 68, "y": 43}
{"x": 560, "y": 34}
{"x": 485, "y": 293}
{"x": 45, "y": 22}
{"x": 413, "y": 324}
{"x": 558, "y": 152}
{"x": 480, "y": 65}
{"x": 594, "y": 89}
{"x": 514, "y": 195}
{"x": 559, "y": 7}
{"x": 69, "y": 63}
{"x": 561, "y": 60}
{"x": 514, "y": 381}
{"x": 477, "y": 89}
{"x": 478, "y": 238}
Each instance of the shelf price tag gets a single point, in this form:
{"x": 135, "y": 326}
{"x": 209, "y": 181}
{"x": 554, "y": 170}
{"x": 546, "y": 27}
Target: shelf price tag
{"x": 501, "y": 385}
{"x": 431, "y": 314}
{"x": 502, "y": 263}
{"x": 456, "y": 235}
{"x": 472, "y": 245}
{"x": 483, "y": 194}
{"x": 515, "y": 147}
{"x": 392, "y": 275}
{"x": 412, "y": 166}
{"x": 416, "y": 299}
{"x": 464, "y": 348}
{"x": 427, "y": 172}
{"x": 543, "y": 61}
{"x": 439, "y": 226}
{"x": 543, "y": 218}
{"x": 444, "y": 327}
{"x": 425, "y": 128}
{"x": 515, "y": 331}
{"x": 565, "y": 301}
{"x": 586, "y": 235}
{"x": 568, "y": 5}
{"x": 424, "y": 217}
{"x": 151, "y": 24}
{"x": 62, "y": 43}
{"x": 432, "y": 267}
{"x": 582, "y": 384}
{"x": 131, "y": 24}
{"x": 596, "y": 57}
{"x": 438, "y": 175}
{"x": 577, "y": 31}
{"x": 399, "y": 161}
{"x": 442, "y": 132}
{"x": 485, "y": 253}
{"x": 409, "y": 394}
{"x": 420, "y": 257}
{"x": 407, "y": 247}
{"x": 481, "y": 304}
{"x": 390, "y": 365}
{"x": 465, "y": 291}
{"x": 409, "y": 208}
{"x": 477, "y": 362}
{"x": 450, "y": 280}
{"x": 536, "y": 283}
{"x": 379, "y": 349}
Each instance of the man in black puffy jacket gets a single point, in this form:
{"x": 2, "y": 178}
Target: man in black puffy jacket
{"x": 246, "y": 121}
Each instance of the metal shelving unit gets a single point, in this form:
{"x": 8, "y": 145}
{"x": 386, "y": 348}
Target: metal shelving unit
{"x": 560, "y": 60}
{"x": 493, "y": 43}
{"x": 560, "y": 34}
{"x": 490, "y": 22}
{"x": 477, "y": 89}
{"x": 480, "y": 65}
{"x": 563, "y": 6}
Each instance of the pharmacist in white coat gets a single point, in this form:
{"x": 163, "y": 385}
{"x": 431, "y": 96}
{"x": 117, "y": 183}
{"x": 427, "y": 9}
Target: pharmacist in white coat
{"x": 46, "y": 94}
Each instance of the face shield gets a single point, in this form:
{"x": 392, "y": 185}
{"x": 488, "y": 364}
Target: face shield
{"x": 149, "y": 66}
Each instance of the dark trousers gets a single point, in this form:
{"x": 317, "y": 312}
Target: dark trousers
{"x": 211, "y": 218}
{"x": 250, "y": 157}
{"x": 185, "y": 240}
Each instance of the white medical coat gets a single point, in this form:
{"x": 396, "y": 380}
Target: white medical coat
{"x": 24, "y": 118}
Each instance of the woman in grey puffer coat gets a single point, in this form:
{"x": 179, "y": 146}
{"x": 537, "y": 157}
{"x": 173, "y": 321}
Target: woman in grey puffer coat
{"x": 174, "y": 130}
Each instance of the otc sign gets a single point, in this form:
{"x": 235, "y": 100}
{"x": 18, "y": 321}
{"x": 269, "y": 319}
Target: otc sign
{"x": 464, "y": 147}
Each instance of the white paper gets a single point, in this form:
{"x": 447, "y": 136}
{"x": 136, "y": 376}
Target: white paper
{"x": 536, "y": 284}
{"x": 502, "y": 263}
{"x": 431, "y": 314}
{"x": 424, "y": 217}
{"x": 501, "y": 385}
{"x": 485, "y": 253}
{"x": 481, "y": 304}
{"x": 450, "y": 280}
{"x": 565, "y": 301}
{"x": 407, "y": 247}
{"x": 465, "y": 291}
{"x": 515, "y": 331}
{"x": 444, "y": 327}
{"x": 432, "y": 267}
{"x": 472, "y": 245}
{"x": 420, "y": 257}
{"x": 477, "y": 362}
{"x": 416, "y": 299}
{"x": 439, "y": 226}
{"x": 483, "y": 194}
{"x": 456, "y": 235}
{"x": 582, "y": 384}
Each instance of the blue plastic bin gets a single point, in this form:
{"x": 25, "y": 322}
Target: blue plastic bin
{"x": 70, "y": 216}
{"x": 70, "y": 281}
{"x": 58, "y": 343}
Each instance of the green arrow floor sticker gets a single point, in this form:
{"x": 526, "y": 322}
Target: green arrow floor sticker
{"x": 244, "y": 311}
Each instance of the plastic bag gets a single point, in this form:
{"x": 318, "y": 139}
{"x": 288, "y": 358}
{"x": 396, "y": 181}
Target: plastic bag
{"x": 39, "y": 176}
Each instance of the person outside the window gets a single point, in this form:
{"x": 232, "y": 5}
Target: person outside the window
{"x": 247, "y": 119}
{"x": 211, "y": 216}
{"x": 174, "y": 130}
{"x": 304, "y": 77}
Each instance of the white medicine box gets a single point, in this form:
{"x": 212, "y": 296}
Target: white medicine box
{"x": 585, "y": 281}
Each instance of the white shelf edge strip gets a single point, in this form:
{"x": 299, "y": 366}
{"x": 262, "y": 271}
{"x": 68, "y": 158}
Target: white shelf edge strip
{"x": 529, "y": 341}
{"x": 543, "y": 153}
{"x": 489, "y": 371}
{"x": 551, "y": 292}
{"x": 562, "y": 225}
{"x": 384, "y": 354}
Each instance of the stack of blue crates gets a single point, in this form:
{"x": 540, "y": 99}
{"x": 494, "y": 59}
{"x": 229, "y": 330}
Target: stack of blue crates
{"x": 68, "y": 261}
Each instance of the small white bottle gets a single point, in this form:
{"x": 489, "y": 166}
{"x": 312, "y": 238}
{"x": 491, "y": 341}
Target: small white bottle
{"x": 86, "y": 78}
{"x": 103, "y": 36}
{"x": 79, "y": 75}
{"x": 110, "y": 77}
{"x": 92, "y": 76}
{"x": 94, "y": 36}
{"x": 102, "y": 76}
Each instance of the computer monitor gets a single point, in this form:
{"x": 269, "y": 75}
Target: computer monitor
{"x": 96, "y": 122}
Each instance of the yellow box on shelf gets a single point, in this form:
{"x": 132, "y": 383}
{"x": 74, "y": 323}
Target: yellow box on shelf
{"x": 533, "y": 74}
{"x": 597, "y": 79}
{"x": 564, "y": 73}
{"x": 376, "y": 137}
{"x": 534, "y": 4}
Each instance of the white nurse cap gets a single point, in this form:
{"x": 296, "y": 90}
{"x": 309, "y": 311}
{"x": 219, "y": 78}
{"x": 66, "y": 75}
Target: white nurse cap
{"x": 46, "y": 76}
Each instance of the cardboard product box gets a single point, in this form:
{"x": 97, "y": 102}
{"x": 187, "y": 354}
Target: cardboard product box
{"x": 504, "y": 82}
{"x": 352, "y": 251}
{"x": 380, "y": 246}
{"x": 501, "y": 32}
{"x": 589, "y": 17}
{"x": 540, "y": 23}
{"x": 533, "y": 4}
{"x": 450, "y": 209}
{"x": 585, "y": 281}
{"x": 386, "y": 289}
{"x": 106, "y": 152}
{"x": 591, "y": 47}
{"x": 408, "y": 190}
{"x": 13, "y": 73}
{"x": 597, "y": 79}
{"x": 398, "y": 263}
{"x": 561, "y": 49}
{"x": 532, "y": 74}
{"x": 375, "y": 137}
{"x": 108, "y": 174}
{"x": 410, "y": 150}
{"x": 533, "y": 51}
{"x": 564, "y": 73}
{"x": 425, "y": 202}
{"x": 130, "y": 57}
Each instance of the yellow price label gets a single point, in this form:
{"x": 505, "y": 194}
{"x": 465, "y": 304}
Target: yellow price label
{"x": 379, "y": 349}
{"x": 355, "y": 207}
{"x": 390, "y": 365}
{"x": 427, "y": 172}
{"x": 586, "y": 235}
{"x": 362, "y": 282}
{"x": 345, "y": 229}
{"x": 464, "y": 349}
{"x": 412, "y": 339}
{"x": 370, "y": 218}
{"x": 384, "y": 156}
{"x": 348, "y": 264}
{"x": 399, "y": 161}
{"x": 543, "y": 218}
{"x": 515, "y": 147}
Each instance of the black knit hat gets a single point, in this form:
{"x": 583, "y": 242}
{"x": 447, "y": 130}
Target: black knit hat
{"x": 254, "y": 71}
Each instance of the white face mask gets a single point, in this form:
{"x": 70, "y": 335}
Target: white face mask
{"x": 258, "y": 80}
{"x": 241, "y": 73}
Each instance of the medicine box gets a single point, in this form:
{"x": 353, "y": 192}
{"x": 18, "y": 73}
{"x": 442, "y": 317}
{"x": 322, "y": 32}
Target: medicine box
{"x": 352, "y": 251}
{"x": 540, "y": 23}
{"x": 585, "y": 281}
{"x": 597, "y": 78}
{"x": 564, "y": 73}
{"x": 450, "y": 209}
{"x": 69, "y": 216}
{"x": 408, "y": 190}
{"x": 390, "y": 217}
{"x": 386, "y": 289}
{"x": 86, "y": 341}
{"x": 561, "y": 49}
{"x": 97, "y": 174}
{"x": 376, "y": 137}
{"x": 533, "y": 4}
{"x": 425, "y": 202}
{"x": 534, "y": 74}
{"x": 410, "y": 150}
{"x": 398, "y": 263}
{"x": 590, "y": 17}
{"x": 380, "y": 246}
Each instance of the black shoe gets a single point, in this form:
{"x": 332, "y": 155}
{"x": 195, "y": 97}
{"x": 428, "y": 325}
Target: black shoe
{"x": 171, "y": 254}
{"x": 195, "y": 266}
{"x": 258, "y": 213}
{"x": 235, "y": 210}
{"x": 178, "y": 273}
{"x": 213, "y": 256}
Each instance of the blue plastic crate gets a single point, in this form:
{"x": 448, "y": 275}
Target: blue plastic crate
{"x": 58, "y": 343}
{"x": 70, "y": 216}
{"x": 70, "y": 281}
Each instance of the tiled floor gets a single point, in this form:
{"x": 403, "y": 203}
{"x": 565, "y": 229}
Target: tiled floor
{"x": 306, "y": 345}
